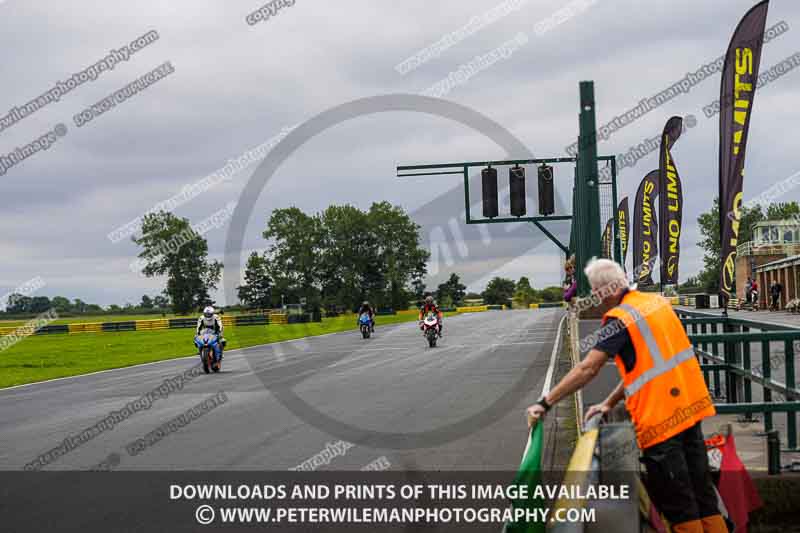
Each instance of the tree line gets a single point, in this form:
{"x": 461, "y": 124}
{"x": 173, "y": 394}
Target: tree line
{"x": 19, "y": 304}
{"x": 336, "y": 259}
{"x": 498, "y": 291}
{"x": 333, "y": 259}
{"x": 342, "y": 256}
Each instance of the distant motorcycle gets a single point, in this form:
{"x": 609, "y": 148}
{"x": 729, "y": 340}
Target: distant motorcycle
{"x": 206, "y": 342}
{"x": 430, "y": 328}
{"x": 365, "y": 325}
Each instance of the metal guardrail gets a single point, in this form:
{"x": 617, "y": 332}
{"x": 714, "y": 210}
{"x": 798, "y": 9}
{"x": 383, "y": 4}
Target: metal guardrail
{"x": 583, "y": 470}
{"x": 472, "y": 309}
{"x": 604, "y": 453}
{"x": 724, "y": 346}
{"x": 163, "y": 323}
{"x": 546, "y": 305}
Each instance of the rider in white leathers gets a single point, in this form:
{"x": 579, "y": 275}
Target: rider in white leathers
{"x": 210, "y": 320}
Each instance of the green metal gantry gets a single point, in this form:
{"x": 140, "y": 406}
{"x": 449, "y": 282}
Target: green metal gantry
{"x": 586, "y": 224}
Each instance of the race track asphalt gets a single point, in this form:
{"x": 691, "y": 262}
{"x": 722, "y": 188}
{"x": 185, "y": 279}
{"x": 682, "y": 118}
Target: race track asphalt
{"x": 459, "y": 406}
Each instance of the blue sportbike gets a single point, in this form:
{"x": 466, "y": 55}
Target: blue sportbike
{"x": 365, "y": 325}
{"x": 208, "y": 344}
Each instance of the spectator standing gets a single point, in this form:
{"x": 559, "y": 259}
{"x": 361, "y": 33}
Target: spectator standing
{"x": 748, "y": 290}
{"x": 775, "y": 291}
{"x": 570, "y": 281}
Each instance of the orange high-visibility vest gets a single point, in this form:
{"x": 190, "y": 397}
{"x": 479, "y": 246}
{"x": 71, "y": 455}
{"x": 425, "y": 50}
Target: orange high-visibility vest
{"x": 665, "y": 392}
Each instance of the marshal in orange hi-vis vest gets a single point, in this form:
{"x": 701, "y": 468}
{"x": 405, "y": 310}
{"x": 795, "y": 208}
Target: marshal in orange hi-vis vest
{"x": 665, "y": 392}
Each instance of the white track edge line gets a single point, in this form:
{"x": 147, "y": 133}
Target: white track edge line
{"x": 548, "y": 378}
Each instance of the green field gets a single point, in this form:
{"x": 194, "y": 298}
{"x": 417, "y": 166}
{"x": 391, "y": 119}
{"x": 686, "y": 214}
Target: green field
{"x": 42, "y": 357}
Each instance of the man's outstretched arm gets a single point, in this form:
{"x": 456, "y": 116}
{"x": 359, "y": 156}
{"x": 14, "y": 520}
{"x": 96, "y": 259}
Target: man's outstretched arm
{"x": 608, "y": 404}
{"x": 579, "y": 376}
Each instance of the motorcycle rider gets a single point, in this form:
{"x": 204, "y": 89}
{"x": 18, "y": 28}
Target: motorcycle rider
{"x": 210, "y": 320}
{"x": 431, "y": 307}
{"x": 366, "y": 308}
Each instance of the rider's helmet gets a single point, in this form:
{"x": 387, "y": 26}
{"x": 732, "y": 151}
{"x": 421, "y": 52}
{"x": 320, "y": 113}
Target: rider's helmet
{"x": 429, "y": 300}
{"x": 366, "y": 303}
{"x": 208, "y": 312}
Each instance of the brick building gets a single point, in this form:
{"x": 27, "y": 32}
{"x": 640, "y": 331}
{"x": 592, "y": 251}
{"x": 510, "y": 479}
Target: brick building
{"x": 774, "y": 241}
{"x": 784, "y": 271}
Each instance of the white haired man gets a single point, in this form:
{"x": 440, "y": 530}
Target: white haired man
{"x": 664, "y": 392}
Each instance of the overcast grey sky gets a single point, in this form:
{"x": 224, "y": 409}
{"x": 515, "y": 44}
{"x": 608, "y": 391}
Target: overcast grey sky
{"x": 236, "y": 85}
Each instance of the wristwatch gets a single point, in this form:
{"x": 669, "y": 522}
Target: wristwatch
{"x": 543, "y": 402}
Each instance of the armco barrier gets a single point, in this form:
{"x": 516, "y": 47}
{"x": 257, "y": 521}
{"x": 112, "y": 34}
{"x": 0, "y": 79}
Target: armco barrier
{"x": 604, "y": 454}
{"x": 304, "y": 318}
{"x": 472, "y": 309}
{"x": 129, "y": 325}
{"x": 182, "y": 323}
{"x": 546, "y": 305}
{"x": 601, "y": 456}
{"x": 53, "y": 328}
{"x": 582, "y": 471}
{"x": 89, "y": 327}
{"x": 278, "y": 318}
{"x": 149, "y": 325}
{"x": 250, "y": 320}
{"x": 165, "y": 323}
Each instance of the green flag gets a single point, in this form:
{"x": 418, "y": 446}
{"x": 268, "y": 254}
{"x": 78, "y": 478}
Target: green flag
{"x": 530, "y": 474}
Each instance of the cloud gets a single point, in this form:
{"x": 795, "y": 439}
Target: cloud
{"x": 237, "y": 85}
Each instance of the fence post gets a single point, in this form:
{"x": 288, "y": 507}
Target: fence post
{"x": 748, "y": 386}
{"x": 773, "y": 452}
{"x": 791, "y": 416}
{"x": 766, "y": 373}
{"x": 704, "y": 347}
{"x": 747, "y": 364}
{"x": 715, "y": 373}
{"x": 733, "y": 356}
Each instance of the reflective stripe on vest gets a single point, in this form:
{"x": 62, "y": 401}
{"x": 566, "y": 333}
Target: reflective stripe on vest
{"x": 660, "y": 365}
